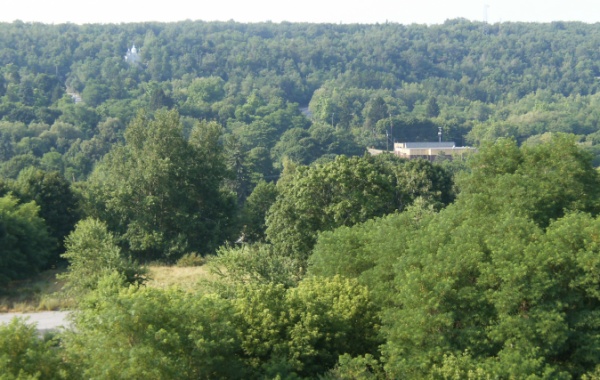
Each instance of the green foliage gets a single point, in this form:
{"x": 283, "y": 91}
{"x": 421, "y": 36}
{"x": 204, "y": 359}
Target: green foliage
{"x": 298, "y": 145}
{"x": 345, "y": 192}
{"x": 432, "y": 109}
{"x": 92, "y": 253}
{"x": 24, "y": 241}
{"x": 257, "y": 263}
{"x": 192, "y": 259}
{"x": 359, "y": 368}
{"x": 484, "y": 277}
{"x": 541, "y": 181}
{"x": 58, "y": 204}
{"x": 500, "y": 285}
{"x": 12, "y": 167}
{"x": 142, "y": 333}
{"x": 255, "y": 211}
{"x": 369, "y": 251}
{"x": 515, "y": 297}
{"x": 264, "y": 330}
{"x": 237, "y": 164}
{"x": 161, "y": 192}
{"x": 304, "y": 330}
{"x": 24, "y": 355}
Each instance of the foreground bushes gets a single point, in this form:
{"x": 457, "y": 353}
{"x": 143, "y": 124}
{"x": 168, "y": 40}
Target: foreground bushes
{"x": 264, "y": 330}
{"x": 23, "y": 355}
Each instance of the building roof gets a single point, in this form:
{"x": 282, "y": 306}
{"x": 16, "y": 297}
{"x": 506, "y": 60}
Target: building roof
{"x": 425, "y": 145}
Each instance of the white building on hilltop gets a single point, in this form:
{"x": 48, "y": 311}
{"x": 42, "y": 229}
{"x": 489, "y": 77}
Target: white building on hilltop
{"x": 132, "y": 56}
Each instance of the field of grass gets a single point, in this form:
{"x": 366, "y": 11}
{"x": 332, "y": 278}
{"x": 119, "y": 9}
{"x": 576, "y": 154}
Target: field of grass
{"x": 39, "y": 293}
{"x": 186, "y": 278}
{"x": 42, "y": 292}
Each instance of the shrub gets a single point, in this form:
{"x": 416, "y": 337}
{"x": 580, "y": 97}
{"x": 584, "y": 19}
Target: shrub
{"x": 23, "y": 355}
{"x": 92, "y": 252}
{"x": 192, "y": 259}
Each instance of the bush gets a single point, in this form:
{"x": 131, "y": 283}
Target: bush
{"x": 256, "y": 263}
{"x": 25, "y": 356}
{"x": 304, "y": 330}
{"x": 146, "y": 333}
{"x": 92, "y": 252}
{"x": 192, "y": 259}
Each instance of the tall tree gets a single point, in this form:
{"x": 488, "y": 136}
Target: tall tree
{"x": 500, "y": 283}
{"x": 542, "y": 182}
{"x": 255, "y": 211}
{"x": 161, "y": 191}
{"x": 58, "y": 205}
{"x": 24, "y": 240}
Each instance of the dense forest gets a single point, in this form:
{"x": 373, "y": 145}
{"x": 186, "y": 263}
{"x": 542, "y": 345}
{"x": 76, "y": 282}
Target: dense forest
{"x": 244, "y": 146}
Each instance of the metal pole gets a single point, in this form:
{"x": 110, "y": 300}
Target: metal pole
{"x": 392, "y": 131}
{"x": 387, "y": 141}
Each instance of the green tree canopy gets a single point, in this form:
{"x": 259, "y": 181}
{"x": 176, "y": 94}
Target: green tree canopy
{"x": 302, "y": 331}
{"x": 24, "y": 355}
{"x": 161, "y": 192}
{"x": 542, "y": 182}
{"x": 500, "y": 283}
{"x": 141, "y": 333}
{"x": 59, "y": 206}
{"x": 347, "y": 191}
{"x": 255, "y": 211}
{"x": 24, "y": 241}
{"x": 92, "y": 253}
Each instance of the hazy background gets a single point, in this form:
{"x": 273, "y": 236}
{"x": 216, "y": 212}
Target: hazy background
{"x": 347, "y": 11}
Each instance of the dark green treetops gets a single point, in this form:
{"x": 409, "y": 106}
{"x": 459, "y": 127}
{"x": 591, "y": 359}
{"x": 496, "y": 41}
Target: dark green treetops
{"x": 161, "y": 192}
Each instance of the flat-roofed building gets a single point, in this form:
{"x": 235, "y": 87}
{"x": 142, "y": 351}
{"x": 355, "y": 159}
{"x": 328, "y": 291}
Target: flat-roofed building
{"x": 430, "y": 150}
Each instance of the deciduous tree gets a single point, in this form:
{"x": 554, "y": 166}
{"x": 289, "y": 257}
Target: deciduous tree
{"x": 161, "y": 192}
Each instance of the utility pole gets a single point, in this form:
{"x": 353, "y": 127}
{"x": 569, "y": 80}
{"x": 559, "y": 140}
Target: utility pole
{"x": 392, "y": 132}
{"x": 387, "y": 141}
{"x": 485, "y": 18}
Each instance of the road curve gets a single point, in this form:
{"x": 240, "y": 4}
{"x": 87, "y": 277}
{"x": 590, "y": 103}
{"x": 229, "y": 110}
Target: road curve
{"x": 45, "y": 320}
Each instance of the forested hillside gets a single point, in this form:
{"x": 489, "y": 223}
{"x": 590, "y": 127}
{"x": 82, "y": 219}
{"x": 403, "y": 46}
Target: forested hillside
{"x": 476, "y": 81}
{"x": 244, "y": 146}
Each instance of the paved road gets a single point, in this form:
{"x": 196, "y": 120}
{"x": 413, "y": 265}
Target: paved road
{"x": 45, "y": 320}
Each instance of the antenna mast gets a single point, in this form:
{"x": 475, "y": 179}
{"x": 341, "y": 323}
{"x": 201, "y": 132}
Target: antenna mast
{"x": 392, "y": 132}
{"x": 485, "y": 17}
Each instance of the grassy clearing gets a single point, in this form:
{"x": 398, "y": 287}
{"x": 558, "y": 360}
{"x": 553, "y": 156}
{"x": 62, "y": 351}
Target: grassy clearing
{"x": 42, "y": 292}
{"x": 186, "y": 278}
{"x": 39, "y": 293}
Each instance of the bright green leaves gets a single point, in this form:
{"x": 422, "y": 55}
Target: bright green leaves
{"x": 261, "y": 331}
{"x": 369, "y": 251}
{"x": 92, "y": 253}
{"x": 141, "y": 333}
{"x": 257, "y": 263}
{"x": 23, "y": 355}
{"x": 305, "y": 329}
